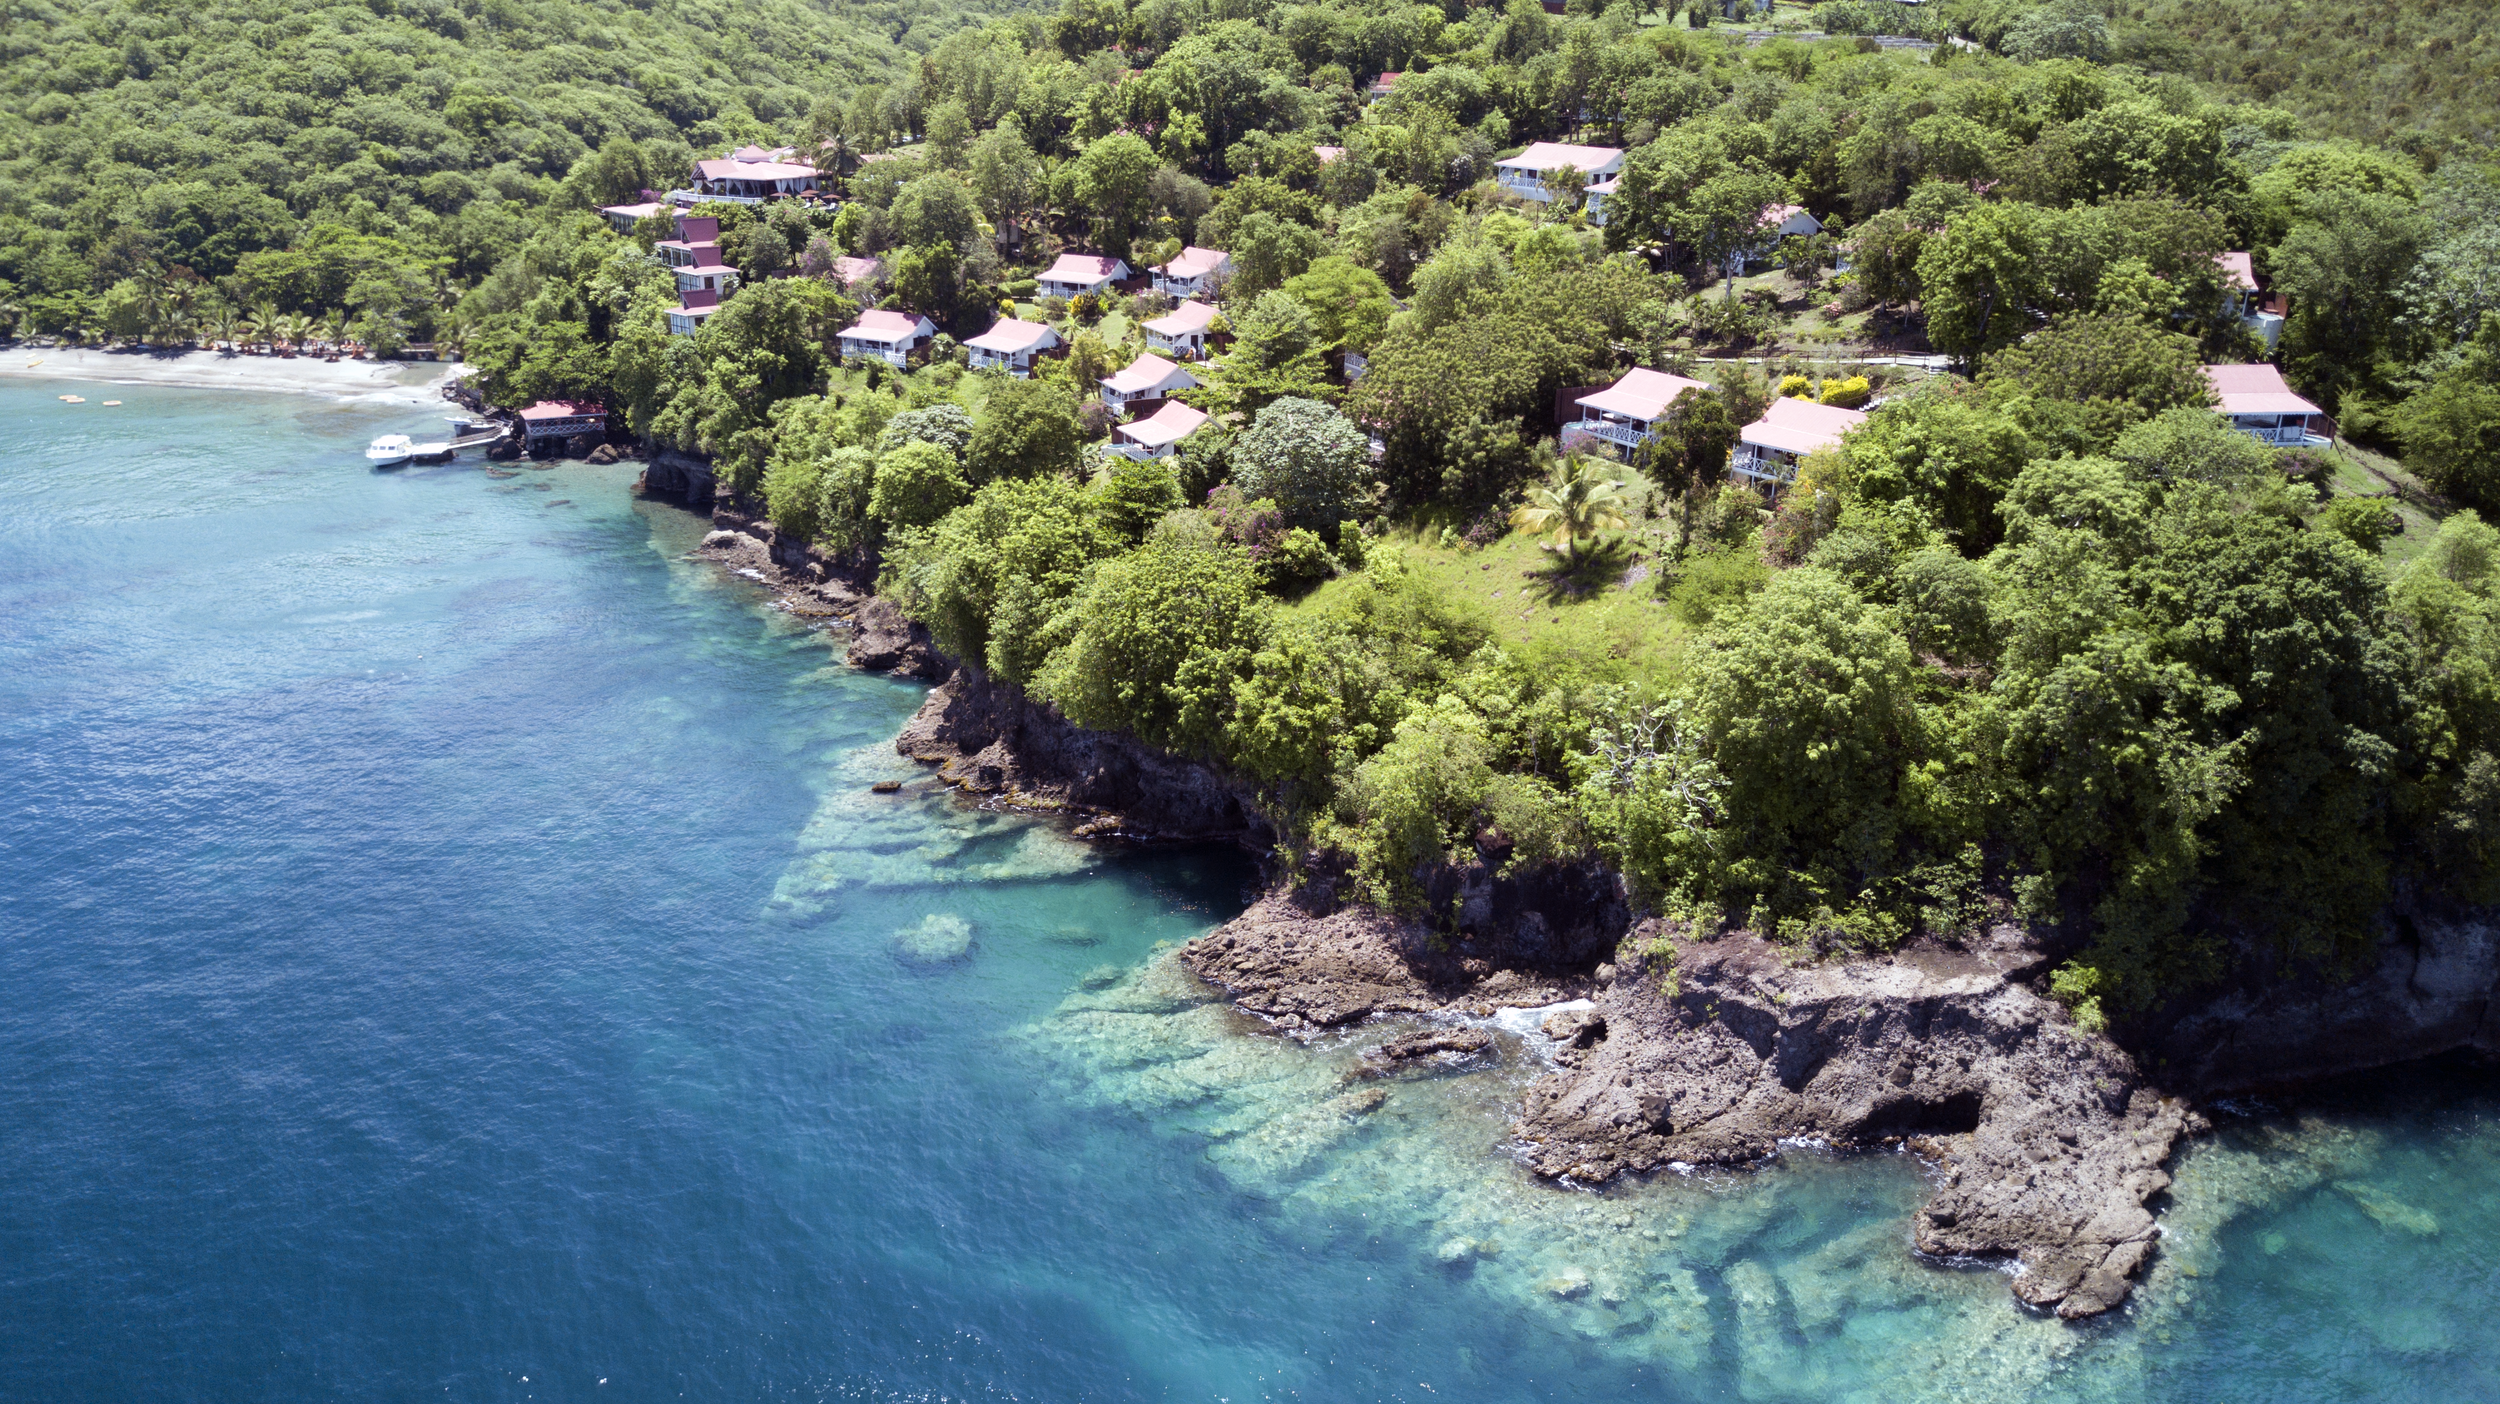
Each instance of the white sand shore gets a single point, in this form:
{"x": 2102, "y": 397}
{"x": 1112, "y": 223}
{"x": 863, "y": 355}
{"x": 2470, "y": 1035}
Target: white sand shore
{"x": 356, "y": 382}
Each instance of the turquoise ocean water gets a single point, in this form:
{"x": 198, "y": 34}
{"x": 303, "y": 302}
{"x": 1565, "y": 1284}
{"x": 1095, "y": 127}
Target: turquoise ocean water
{"x": 448, "y": 950}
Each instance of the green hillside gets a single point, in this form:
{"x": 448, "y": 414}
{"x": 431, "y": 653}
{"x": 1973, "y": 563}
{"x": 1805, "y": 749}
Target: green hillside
{"x": 140, "y": 134}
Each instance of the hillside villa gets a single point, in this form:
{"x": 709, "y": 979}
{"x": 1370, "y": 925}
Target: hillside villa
{"x": 1524, "y": 175}
{"x": 1625, "y": 414}
{"x": 1080, "y": 273}
{"x": 623, "y": 218}
{"x": 886, "y": 336}
{"x": 687, "y": 317}
{"x": 2257, "y": 403}
{"x": 1381, "y": 86}
{"x": 1149, "y": 377}
{"x": 1182, "y": 332}
{"x": 1767, "y": 450}
{"x": 1012, "y": 346}
{"x": 749, "y": 175}
{"x": 558, "y": 420}
{"x": 1157, "y": 434}
{"x": 1194, "y": 272}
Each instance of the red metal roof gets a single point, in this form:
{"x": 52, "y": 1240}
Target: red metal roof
{"x": 564, "y": 409}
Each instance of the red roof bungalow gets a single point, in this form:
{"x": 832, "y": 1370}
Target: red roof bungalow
{"x": 1524, "y": 175}
{"x": 1012, "y": 346}
{"x": 1382, "y": 86}
{"x": 1625, "y": 414}
{"x": 563, "y": 419}
{"x": 696, "y": 234}
{"x": 1080, "y": 273}
{"x": 1192, "y": 272}
{"x": 1159, "y": 433}
{"x": 886, "y": 336}
{"x": 1182, "y": 332}
{"x": 2257, "y": 403}
{"x": 1149, "y": 377}
{"x": 1767, "y": 450}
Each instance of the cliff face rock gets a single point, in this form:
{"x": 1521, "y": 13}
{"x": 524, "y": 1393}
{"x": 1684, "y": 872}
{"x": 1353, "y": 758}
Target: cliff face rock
{"x": 2047, "y": 1143}
{"x": 2434, "y": 987}
{"x": 886, "y": 642}
{"x": 990, "y": 738}
{"x": 679, "y": 476}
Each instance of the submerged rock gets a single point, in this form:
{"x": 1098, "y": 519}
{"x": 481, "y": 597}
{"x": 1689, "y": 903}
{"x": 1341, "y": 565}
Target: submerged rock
{"x": 941, "y": 938}
{"x": 2387, "y": 1210}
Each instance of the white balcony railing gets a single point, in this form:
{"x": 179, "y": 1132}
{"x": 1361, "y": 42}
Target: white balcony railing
{"x": 1630, "y": 436}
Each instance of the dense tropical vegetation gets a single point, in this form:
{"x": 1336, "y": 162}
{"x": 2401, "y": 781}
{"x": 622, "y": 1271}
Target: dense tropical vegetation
{"x": 2043, "y": 638}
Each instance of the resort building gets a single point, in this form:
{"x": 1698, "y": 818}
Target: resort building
{"x": 1524, "y": 175}
{"x": 1780, "y": 222}
{"x": 553, "y": 421}
{"x": 1193, "y": 273}
{"x": 1382, "y": 86}
{"x": 694, "y": 256}
{"x": 2257, "y": 403}
{"x": 1625, "y": 414}
{"x": 1012, "y": 346}
{"x": 1080, "y": 273}
{"x": 886, "y": 336}
{"x": 1767, "y": 450}
{"x": 623, "y": 218}
{"x": 687, "y": 317}
{"x": 1149, "y": 377}
{"x": 1182, "y": 332}
{"x": 1157, "y": 434}
{"x": 1597, "y": 192}
{"x": 749, "y": 175}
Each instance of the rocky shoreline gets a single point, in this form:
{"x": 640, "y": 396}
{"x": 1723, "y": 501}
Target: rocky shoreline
{"x": 2046, "y": 1145}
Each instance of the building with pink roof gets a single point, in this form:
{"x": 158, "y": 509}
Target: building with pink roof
{"x": 1149, "y": 377}
{"x": 549, "y": 420}
{"x": 1080, "y": 273}
{"x": 2257, "y": 403}
{"x": 885, "y": 336}
{"x": 1193, "y": 272}
{"x": 1767, "y": 450}
{"x": 2242, "y": 299}
{"x": 692, "y": 309}
{"x": 1524, "y": 175}
{"x": 1328, "y": 155}
{"x": 1625, "y": 414}
{"x": 1012, "y": 346}
{"x": 1382, "y": 86}
{"x": 751, "y": 175}
{"x": 1182, "y": 332}
{"x": 1157, "y": 434}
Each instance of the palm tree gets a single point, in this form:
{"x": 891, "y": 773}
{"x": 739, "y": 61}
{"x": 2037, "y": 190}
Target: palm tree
{"x": 1572, "y": 505}
{"x": 266, "y": 325}
{"x": 333, "y": 327}
{"x": 296, "y": 328}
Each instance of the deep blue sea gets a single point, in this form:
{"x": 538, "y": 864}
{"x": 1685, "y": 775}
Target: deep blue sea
{"x": 448, "y": 950}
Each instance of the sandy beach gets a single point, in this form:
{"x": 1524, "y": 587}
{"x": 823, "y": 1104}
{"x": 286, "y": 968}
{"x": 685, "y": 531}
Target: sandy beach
{"x": 357, "y": 382}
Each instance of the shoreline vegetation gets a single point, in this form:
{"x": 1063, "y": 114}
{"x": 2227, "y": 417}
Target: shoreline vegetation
{"x": 1547, "y": 542}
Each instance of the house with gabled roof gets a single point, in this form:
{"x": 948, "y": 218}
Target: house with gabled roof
{"x": 1381, "y": 86}
{"x": 751, "y": 175}
{"x": 1767, "y": 450}
{"x": 1182, "y": 332}
{"x": 1524, "y": 175}
{"x": 1193, "y": 272}
{"x": 2242, "y": 299}
{"x": 1624, "y": 415}
{"x": 1012, "y": 346}
{"x": 1159, "y": 433}
{"x": 1073, "y": 274}
{"x": 1149, "y": 377}
{"x": 885, "y": 336}
{"x": 2257, "y": 402}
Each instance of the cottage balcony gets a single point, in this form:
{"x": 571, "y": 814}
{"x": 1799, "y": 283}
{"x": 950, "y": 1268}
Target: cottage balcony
{"x": 1616, "y": 432}
{"x": 2283, "y": 435}
{"x": 1748, "y": 462}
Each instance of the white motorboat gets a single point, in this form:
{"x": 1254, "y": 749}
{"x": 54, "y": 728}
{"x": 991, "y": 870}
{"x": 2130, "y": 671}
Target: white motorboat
{"x": 389, "y": 451}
